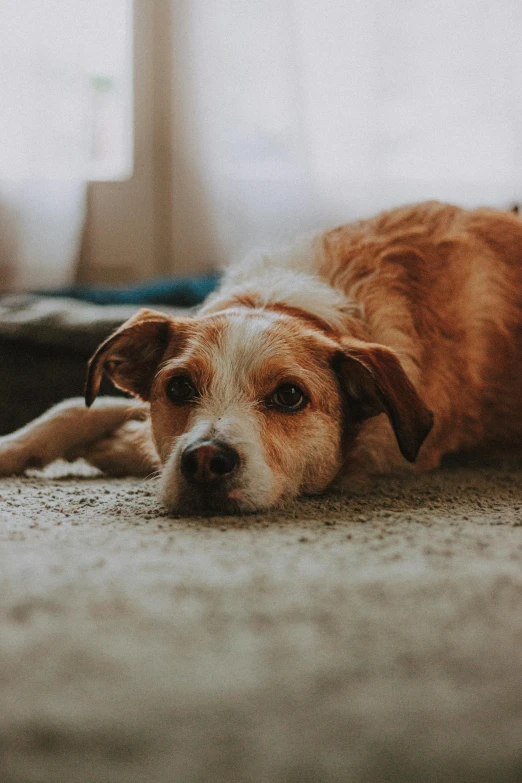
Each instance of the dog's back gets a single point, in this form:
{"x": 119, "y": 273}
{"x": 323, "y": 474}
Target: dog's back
{"x": 443, "y": 287}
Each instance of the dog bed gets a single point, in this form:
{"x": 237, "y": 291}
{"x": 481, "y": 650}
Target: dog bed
{"x": 45, "y": 343}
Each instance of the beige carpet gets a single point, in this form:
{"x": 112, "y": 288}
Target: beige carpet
{"x": 373, "y": 638}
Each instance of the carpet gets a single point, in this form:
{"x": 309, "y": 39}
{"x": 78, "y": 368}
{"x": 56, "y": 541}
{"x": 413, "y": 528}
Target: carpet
{"x": 368, "y": 638}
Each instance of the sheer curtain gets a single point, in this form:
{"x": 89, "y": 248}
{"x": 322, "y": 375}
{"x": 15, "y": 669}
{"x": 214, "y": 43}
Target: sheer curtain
{"x": 297, "y": 114}
{"x": 65, "y": 118}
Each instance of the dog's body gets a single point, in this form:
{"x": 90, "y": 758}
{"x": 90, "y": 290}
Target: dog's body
{"x": 275, "y": 389}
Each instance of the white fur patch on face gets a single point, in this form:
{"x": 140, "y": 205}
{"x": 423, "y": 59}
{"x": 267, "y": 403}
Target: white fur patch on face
{"x": 241, "y": 349}
{"x": 227, "y": 412}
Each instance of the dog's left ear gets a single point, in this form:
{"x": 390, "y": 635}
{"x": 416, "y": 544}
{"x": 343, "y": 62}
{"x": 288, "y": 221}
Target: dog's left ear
{"x": 375, "y": 382}
{"x": 131, "y": 355}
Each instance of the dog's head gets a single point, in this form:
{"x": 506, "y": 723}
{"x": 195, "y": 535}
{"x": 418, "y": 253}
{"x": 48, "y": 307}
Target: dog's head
{"x": 250, "y": 406}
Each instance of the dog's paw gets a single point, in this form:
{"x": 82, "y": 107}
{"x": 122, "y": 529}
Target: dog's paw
{"x": 128, "y": 451}
{"x": 15, "y": 458}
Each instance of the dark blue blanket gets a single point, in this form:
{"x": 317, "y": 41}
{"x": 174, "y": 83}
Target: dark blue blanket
{"x": 174, "y": 291}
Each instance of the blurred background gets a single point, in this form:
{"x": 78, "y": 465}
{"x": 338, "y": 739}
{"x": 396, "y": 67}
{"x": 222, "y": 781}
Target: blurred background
{"x": 162, "y": 137}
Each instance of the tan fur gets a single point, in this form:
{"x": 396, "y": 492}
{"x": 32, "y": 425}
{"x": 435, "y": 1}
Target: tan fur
{"x": 442, "y": 286}
{"x": 411, "y": 349}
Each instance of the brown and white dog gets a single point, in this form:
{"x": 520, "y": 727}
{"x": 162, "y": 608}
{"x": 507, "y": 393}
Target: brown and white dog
{"x": 377, "y": 346}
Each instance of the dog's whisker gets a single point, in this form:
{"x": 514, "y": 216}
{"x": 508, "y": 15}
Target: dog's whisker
{"x": 151, "y": 476}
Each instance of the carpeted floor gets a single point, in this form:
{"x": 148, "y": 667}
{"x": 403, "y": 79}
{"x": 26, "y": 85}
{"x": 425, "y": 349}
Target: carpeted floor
{"x": 367, "y": 639}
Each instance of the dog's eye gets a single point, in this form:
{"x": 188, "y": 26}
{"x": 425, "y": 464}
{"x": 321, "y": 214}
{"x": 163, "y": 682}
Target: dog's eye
{"x": 180, "y": 389}
{"x": 289, "y": 397}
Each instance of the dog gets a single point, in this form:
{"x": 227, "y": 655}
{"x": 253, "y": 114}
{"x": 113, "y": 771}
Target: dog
{"x": 378, "y": 346}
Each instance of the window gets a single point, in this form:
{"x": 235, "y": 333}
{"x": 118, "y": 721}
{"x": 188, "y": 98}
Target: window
{"x": 66, "y": 89}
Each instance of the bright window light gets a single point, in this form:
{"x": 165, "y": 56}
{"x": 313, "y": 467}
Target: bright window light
{"x": 66, "y": 89}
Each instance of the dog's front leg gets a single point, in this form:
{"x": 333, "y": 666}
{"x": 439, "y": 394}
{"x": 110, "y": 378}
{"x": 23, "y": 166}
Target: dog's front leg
{"x": 70, "y": 430}
{"x": 128, "y": 451}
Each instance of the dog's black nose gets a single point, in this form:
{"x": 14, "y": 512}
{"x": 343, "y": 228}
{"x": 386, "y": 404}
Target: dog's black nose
{"x": 207, "y": 461}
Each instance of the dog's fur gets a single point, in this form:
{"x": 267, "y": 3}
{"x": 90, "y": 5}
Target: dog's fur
{"x": 403, "y": 331}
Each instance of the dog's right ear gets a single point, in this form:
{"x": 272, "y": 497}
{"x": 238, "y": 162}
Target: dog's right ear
{"x": 374, "y": 381}
{"x": 131, "y": 355}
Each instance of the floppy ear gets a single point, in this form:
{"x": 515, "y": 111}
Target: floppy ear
{"x": 131, "y": 355}
{"x": 375, "y": 382}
